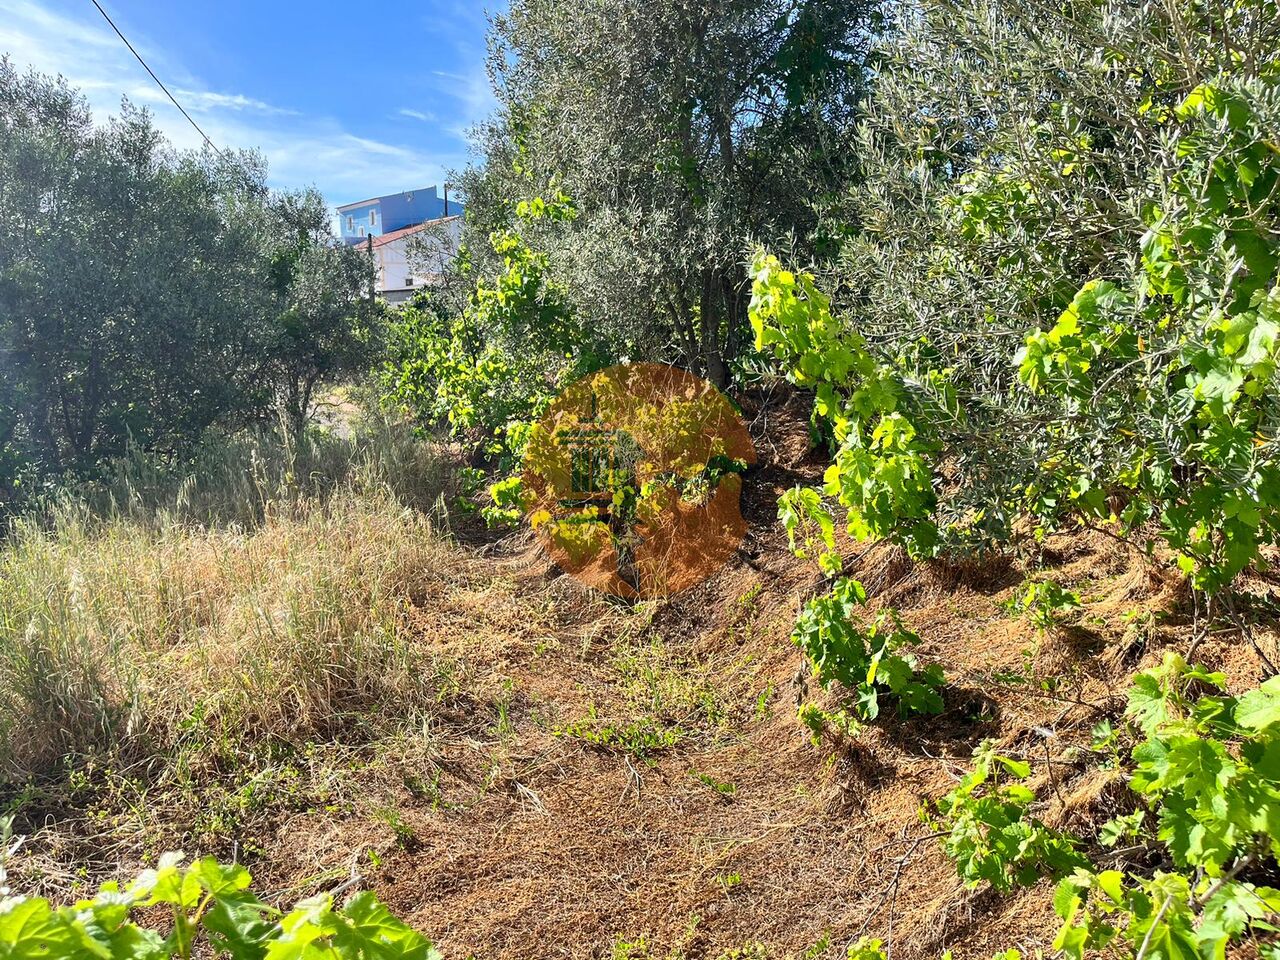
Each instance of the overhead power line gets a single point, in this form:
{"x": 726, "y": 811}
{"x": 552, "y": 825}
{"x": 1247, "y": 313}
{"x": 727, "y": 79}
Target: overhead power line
{"x": 158, "y": 81}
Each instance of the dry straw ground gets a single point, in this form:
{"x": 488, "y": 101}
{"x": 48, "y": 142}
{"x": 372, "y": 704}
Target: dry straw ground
{"x": 522, "y": 768}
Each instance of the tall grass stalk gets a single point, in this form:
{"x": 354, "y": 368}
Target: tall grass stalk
{"x": 260, "y": 596}
{"x": 243, "y": 478}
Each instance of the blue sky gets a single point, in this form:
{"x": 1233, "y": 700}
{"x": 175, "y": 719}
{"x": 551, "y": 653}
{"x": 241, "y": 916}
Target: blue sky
{"x": 358, "y": 99}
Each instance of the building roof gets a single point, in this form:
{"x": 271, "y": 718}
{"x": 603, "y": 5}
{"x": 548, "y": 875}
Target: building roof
{"x": 387, "y": 196}
{"x": 386, "y": 238}
{"x": 359, "y": 203}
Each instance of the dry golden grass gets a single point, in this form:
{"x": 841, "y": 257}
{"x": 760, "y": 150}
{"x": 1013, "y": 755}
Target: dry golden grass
{"x": 137, "y": 630}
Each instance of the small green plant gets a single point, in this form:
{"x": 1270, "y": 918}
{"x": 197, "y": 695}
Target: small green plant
{"x": 637, "y": 949}
{"x": 747, "y": 602}
{"x": 1207, "y": 769}
{"x": 399, "y": 827}
{"x": 722, "y": 787}
{"x": 1105, "y": 743}
{"x": 470, "y": 483}
{"x": 426, "y": 788}
{"x": 730, "y": 880}
{"x": 1043, "y": 602}
{"x": 762, "y": 702}
{"x": 990, "y": 833}
{"x": 509, "y": 502}
{"x": 817, "y": 949}
{"x": 1126, "y": 827}
{"x": 866, "y": 949}
{"x": 503, "y": 725}
{"x": 817, "y": 721}
{"x": 641, "y": 738}
{"x": 746, "y": 623}
{"x": 211, "y": 912}
{"x": 869, "y": 659}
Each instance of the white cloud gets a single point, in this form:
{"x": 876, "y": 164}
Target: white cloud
{"x": 206, "y": 100}
{"x": 459, "y": 26}
{"x": 417, "y": 115}
{"x": 300, "y": 149}
{"x": 472, "y": 93}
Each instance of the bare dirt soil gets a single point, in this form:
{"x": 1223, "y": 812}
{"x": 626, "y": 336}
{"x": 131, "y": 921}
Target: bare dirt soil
{"x": 703, "y": 819}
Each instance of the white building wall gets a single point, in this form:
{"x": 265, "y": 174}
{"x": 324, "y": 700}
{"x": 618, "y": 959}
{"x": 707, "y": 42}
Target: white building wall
{"x": 408, "y": 263}
{"x": 393, "y": 266}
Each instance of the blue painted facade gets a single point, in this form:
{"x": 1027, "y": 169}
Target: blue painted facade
{"x": 357, "y": 223}
{"x": 373, "y": 218}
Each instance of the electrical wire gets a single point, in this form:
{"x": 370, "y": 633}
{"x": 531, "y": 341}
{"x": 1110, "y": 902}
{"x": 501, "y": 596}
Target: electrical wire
{"x": 158, "y": 81}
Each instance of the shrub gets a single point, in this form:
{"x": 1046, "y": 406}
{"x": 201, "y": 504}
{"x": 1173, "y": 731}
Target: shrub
{"x": 483, "y": 371}
{"x": 818, "y": 721}
{"x": 211, "y": 912}
{"x": 1205, "y": 767}
{"x": 869, "y": 659}
{"x": 1043, "y": 602}
{"x": 1061, "y": 302}
{"x": 990, "y": 833}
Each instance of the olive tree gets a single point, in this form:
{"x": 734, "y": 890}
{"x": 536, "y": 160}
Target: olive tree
{"x": 682, "y": 131}
{"x": 130, "y": 280}
{"x": 148, "y": 294}
{"x": 327, "y": 322}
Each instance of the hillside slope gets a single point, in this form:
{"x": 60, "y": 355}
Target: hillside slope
{"x": 599, "y": 779}
{"x": 740, "y": 830}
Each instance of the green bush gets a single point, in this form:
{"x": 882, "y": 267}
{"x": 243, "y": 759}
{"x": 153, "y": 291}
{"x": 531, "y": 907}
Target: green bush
{"x": 484, "y": 370}
{"x": 1043, "y": 602}
{"x": 990, "y": 833}
{"x": 868, "y": 659}
{"x": 227, "y": 306}
{"x": 1061, "y": 302}
{"x": 1204, "y": 771}
{"x": 210, "y": 911}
